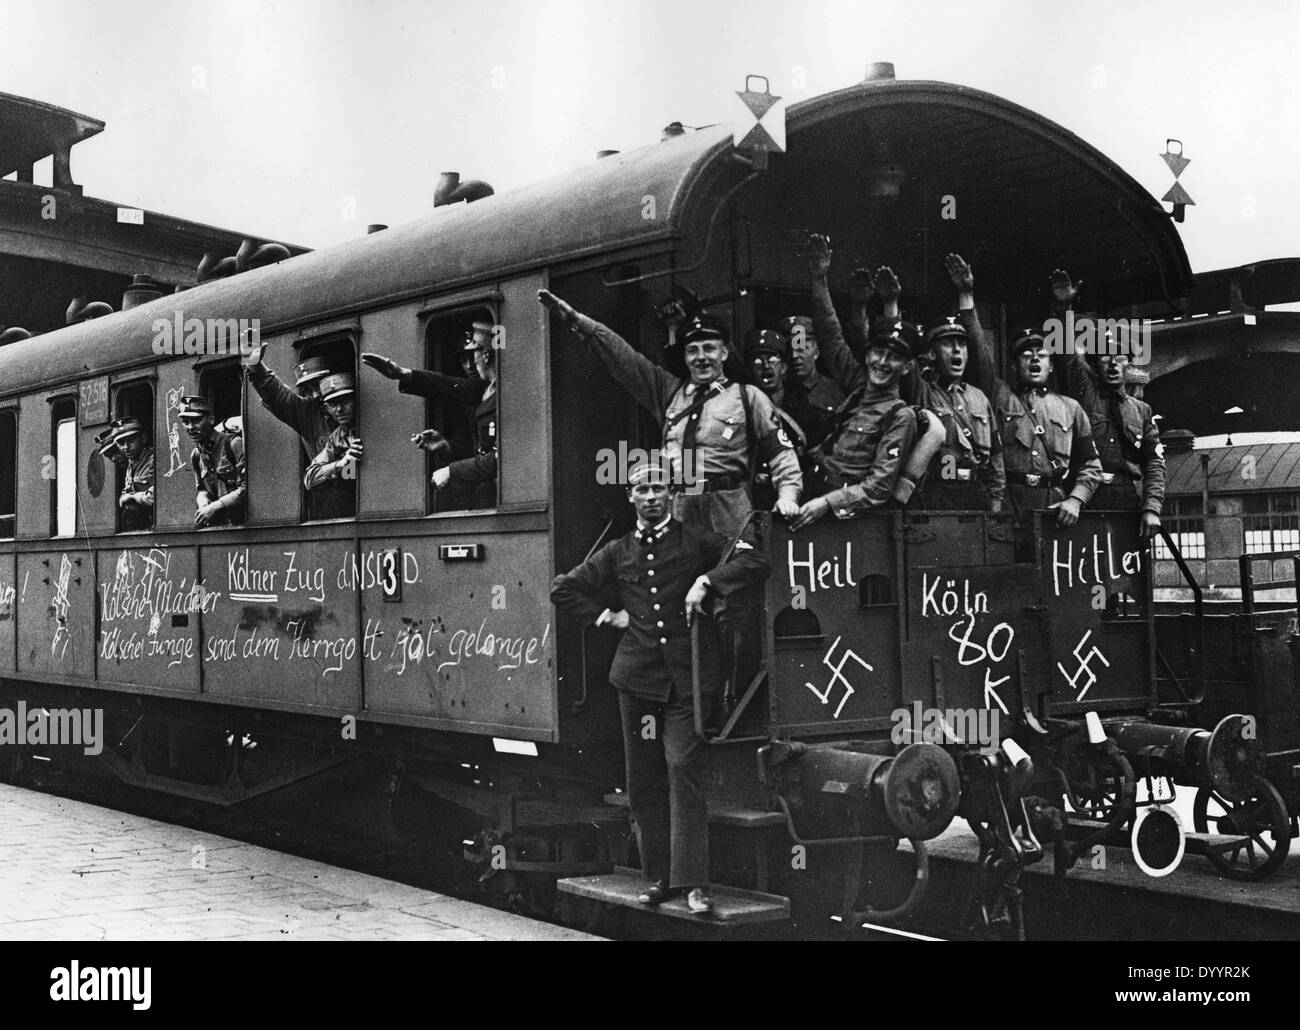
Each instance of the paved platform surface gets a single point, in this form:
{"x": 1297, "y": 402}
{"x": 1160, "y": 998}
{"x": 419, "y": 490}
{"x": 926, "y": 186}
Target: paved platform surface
{"x": 74, "y": 871}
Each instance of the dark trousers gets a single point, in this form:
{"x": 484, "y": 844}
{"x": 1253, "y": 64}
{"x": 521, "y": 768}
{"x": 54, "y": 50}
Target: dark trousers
{"x": 667, "y": 776}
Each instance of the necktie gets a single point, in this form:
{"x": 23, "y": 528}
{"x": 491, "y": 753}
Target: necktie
{"x": 692, "y": 416}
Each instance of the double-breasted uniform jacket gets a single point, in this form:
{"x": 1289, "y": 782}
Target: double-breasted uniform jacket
{"x": 651, "y": 581}
{"x": 1123, "y": 431}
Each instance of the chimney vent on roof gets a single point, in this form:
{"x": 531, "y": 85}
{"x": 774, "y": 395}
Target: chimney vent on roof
{"x": 1178, "y": 441}
{"x": 879, "y": 71}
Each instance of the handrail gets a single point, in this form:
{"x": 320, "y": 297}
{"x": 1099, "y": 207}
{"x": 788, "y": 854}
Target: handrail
{"x": 697, "y": 699}
{"x": 1198, "y": 613}
{"x": 581, "y": 700}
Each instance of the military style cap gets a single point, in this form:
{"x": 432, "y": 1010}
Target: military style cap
{"x": 650, "y": 472}
{"x": 1026, "y": 339}
{"x": 106, "y": 442}
{"x": 479, "y": 337}
{"x": 122, "y": 428}
{"x": 766, "y": 341}
{"x": 195, "y": 406}
{"x": 336, "y": 384}
{"x": 948, "y": 327}
{"x": 702, "y": 327}
{"x": 311, "y": 369}
{"x": 903, "y": 338}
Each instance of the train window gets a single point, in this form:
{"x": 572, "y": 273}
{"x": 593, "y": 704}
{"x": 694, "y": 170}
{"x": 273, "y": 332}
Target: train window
{"x": 8, "y": 470}
{"x": 63, "y": 488}
{"x": 796, "y": 624}
{"x": 223, "y": 385}
{"x": 461, "y": 406}
{"x": 329, "y": 478}
{"x": 133, "y": 407}
{"x": 875, "y": 590}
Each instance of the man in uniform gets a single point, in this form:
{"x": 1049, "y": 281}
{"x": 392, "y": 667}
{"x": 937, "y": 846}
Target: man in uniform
{"x": 469, "y": 478}
{"x": 1123, "y": 429}
{"x": 136, "y": 499}
{"x": 301, "y": 410}
{"x": 967, "y": 474}
{"x": 663, "y": 572}
{"x": 859, "y": 461}
{"x": 810, "y": 398}
{"x": 714, "y": 430}
{"x": 220, "y": 481}
{"x": 332, "y": 474}
{"x": 1046, "y": 440}
{"x": 765, "y": 359}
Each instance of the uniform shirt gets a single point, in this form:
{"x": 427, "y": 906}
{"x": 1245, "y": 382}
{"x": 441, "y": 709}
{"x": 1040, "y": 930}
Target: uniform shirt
{"x": 652, "y": 580}
{"x": 220, "y": 470}
{"x": 722, "y": 441}
{"x": 304, "y": 415}
{"x": 970, "y": 425}
{"x": 1123, "y": 430}
{"x": 812, "y": 407}
{"x": 474, "y": 465}
{"x": 138, "y": 479}
{"x": 1043, "y": 433}
{"x": 861, "y": 458}
{"x": 333, "y": 495}
{"x": 465, "y": 392}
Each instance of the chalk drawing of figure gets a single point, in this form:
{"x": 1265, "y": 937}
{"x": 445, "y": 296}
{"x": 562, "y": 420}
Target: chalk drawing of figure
{"x": 59, "y": 607}
{"x": 175, "y": 461}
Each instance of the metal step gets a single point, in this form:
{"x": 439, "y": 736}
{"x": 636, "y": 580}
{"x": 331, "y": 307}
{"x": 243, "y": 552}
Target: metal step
{"x": 731, "y": 905}
{"x": 722, "y": 813}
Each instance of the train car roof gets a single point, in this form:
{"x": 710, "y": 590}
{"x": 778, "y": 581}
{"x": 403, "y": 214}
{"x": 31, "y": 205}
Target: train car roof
{"x": 1036, "y": 178}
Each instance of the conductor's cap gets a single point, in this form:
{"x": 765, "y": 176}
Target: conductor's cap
{"x": 649, "y": 472}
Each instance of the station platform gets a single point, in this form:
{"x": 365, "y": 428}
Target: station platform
{"x": 75, "y": 871}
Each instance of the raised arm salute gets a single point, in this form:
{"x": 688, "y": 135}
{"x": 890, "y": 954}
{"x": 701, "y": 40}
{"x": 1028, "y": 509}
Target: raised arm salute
{"x": 1046, "y": 439}
{"x": 1123, "y": 429}
{"x": 712, "y": 428}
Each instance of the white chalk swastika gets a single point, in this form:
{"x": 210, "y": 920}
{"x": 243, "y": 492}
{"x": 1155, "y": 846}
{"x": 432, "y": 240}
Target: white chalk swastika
{"x": 1083, "y": 667}
{"x": 837, "y": 673}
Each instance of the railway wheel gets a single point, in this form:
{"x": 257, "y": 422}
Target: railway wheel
{"x": 1259, "y": 826}
{"x": 1100, "y": 790}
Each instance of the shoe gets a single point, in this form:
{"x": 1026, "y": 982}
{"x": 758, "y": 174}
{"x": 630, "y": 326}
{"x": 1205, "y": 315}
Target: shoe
{"x": 699, "y": 902}
{"x": 655, "y": 894}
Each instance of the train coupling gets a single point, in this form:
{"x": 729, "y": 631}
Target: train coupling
{"x": 912, "y": 794}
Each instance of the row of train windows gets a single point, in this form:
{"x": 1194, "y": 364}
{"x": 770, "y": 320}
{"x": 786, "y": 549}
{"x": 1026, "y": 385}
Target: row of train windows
{"x": 469, "y": 431}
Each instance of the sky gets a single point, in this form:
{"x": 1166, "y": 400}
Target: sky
{"x": 305, "y": 121}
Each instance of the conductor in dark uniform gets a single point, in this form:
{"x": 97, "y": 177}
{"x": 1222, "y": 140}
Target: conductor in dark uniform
{"x": 664, "y": 573}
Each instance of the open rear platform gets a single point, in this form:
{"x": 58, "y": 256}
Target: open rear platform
{"x": 731, "y": 905}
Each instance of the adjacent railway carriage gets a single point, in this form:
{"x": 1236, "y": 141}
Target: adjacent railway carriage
{"x": 420, "y": 630}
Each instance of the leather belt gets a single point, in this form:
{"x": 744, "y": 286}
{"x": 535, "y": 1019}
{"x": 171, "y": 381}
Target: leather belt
{"x": 729, "y": 481}
{"x": 1036, "y": 479}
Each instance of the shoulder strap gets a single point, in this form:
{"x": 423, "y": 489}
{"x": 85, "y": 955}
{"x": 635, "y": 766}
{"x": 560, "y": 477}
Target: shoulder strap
{"x": 751, "y": 438}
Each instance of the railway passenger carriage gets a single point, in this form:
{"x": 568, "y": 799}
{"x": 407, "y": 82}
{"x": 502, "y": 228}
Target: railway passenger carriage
{"x": 429, "y": 624}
